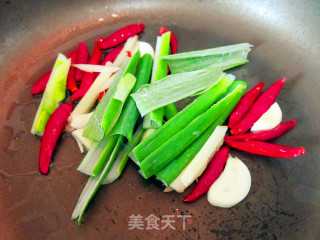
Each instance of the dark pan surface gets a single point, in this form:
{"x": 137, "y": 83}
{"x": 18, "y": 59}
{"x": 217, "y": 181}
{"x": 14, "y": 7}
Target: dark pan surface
{"x": 284, "y": 201}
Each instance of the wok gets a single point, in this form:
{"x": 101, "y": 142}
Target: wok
{"x": 284, "y": 201}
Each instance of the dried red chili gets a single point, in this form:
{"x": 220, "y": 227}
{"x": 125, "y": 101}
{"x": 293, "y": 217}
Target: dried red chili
{"x": 52, "y": 132}
{"x": 210, "y": 175}
{"x": 112, "y": 55}
{"x": 121, "y": 35}
{"x": 265, "y": 135}
{"x": 88, "y": 77}
{"x": 40, "y": 84}
{"x": 82, "y": 58}
{"x": 260, "y": 106}
{"x": 266, "y": 149}
{"x": 244, "y": 104}
{"x": 71, "y": 81}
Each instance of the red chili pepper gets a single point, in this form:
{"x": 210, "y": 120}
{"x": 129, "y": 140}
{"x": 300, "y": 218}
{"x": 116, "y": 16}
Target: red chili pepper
{"x": 173, "y": 39}
{"x": 265, "y": 135}
{"x": 71, "y": 81}
{"x": 40, "y": 84}
{"x": 112, "y": 55}
{"x": 121, "y": 36}
{"x": 210, "y": 175}
{"x": 266, "y": 149}
{"x": 52, "y": 132}
{"x": 88, "y": 77}
{"x": 101, "y": 94}
{"x": 82, "y": 58}
{"x": 259, "y": 107}
{"x": 244, "y": 104}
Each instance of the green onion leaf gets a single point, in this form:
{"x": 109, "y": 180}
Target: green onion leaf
{"x": 180, "y": 121}
{"x": 93, "y": 184}
{"x": 159, "y": 71}
{"x": 167, "y": 152}
{"x": 97, "y": 155}
{"x": 116, "y": 103}
{"x": 170, "y": 172}
{"x": 225, "y": 57}
{"x": 94, "y": 129}
{"x": 123, "y": 157}
{"x": 130, "y": 113}
{"x": 174, "y": 88}
{"x": 170, "y": 111}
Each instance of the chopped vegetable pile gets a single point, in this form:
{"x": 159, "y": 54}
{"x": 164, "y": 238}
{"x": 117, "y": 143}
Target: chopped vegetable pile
{"x": 134, "y": 89}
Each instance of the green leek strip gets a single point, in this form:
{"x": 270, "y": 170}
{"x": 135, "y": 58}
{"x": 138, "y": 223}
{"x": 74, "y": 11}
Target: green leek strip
{"x": 54, "y": 93}
{"x": 170, "y": 172}
{"x": 94, "y": 130}
{"x": 170, "y": 111}
{"x": 123, "y": 157}
{"x": 93, "y": 184}
{"x": 97, "y": 155}
{"x": 230, "y": 76}
{"x": 225, "y": 57}
{"x": 116, "y": 103}
{"x": 180, "y": 121}
{"x": 130, "y": 113}
{"x": 174, "y": 88}
{"x": 92, "y": 94}
{"x": 179, "y": 142}
{"x": 93, "y": 166}
{"x": 159, "y": 71}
